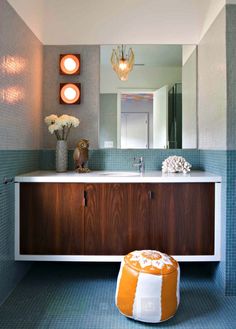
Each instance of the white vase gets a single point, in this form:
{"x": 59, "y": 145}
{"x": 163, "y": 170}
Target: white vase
{"x": 61, "y": 156}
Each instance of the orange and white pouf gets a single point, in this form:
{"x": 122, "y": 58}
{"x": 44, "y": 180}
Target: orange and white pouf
{"x": 148, "y": 286}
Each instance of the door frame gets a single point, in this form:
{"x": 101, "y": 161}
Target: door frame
{"x": 127, "y": 91}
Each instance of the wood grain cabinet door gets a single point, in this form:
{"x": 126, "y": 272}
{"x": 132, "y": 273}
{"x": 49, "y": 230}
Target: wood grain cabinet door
{"x": 182, "y": 217}
{"x": 116, "y": 218}
{"x": 139, "y": 225}
{"x": 51, "y": 218}
{"x": 106, "y": 216}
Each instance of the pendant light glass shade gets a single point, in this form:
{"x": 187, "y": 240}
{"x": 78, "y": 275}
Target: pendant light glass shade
{"x": 121, "y": 62}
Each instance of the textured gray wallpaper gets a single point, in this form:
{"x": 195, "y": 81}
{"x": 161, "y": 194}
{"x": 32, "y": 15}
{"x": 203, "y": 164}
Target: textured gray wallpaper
{"x": 88, "y": 110}
{"x": 212, "y": 108}
{"x": 20, "y": 82}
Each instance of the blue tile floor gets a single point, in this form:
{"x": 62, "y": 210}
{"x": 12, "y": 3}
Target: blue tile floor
{"x": 80, "y": 295}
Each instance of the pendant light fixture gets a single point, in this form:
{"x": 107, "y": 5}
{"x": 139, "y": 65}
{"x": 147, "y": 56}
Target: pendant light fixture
{"x": 122, "y": 62}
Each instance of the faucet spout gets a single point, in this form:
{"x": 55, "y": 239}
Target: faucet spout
{"x": 140, "y": 164}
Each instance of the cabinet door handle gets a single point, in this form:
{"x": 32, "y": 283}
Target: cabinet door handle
{"x": 85, "y": 198}
{"x": 150, "y": 195}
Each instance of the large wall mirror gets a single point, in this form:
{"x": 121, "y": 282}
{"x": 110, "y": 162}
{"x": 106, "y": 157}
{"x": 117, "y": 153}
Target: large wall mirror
{"x": 154, "y": 105}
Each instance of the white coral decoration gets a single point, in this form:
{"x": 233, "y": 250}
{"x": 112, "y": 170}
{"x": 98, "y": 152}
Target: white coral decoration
{"x": 61, "y": 125}
{"x": 175, "y": 164}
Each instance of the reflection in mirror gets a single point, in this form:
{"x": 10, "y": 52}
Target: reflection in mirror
{"x": 156, "y": 106}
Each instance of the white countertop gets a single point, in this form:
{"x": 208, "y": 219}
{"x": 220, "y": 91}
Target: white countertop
{"x": 116, "y": 177}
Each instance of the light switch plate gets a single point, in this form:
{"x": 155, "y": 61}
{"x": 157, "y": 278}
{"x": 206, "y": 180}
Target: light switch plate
{"x": 108, "y": 144}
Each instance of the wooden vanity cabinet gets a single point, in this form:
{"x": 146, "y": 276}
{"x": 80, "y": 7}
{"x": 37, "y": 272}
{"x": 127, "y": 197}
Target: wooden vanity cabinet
{"x": 115, "y": 218}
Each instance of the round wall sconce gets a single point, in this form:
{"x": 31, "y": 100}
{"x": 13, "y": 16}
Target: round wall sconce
{"x": 70, "y": 93}
{"x": 70, "y": 64}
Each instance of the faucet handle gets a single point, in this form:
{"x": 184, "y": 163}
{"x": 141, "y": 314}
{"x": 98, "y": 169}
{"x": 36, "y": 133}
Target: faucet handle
{"x": 139, "y": 162}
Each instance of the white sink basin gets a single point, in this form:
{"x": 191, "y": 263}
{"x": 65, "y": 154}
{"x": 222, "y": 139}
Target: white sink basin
{"x": 120, "y": 174}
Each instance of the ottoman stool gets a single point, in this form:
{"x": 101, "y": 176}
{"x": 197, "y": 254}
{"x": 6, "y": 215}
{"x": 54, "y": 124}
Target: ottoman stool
{"x": 148, "y": 286}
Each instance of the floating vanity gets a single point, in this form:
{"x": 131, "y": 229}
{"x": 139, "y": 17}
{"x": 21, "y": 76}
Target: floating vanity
{"x": 101, "y": 216}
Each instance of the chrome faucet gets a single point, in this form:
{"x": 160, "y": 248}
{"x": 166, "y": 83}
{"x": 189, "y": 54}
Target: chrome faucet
{"x": 139, "y": 162}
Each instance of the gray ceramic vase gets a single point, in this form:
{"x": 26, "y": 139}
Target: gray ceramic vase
{"x": 61, "y": 156}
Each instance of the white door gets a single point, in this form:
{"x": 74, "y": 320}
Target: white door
{"x": 160, "y": 118}
{"x": 134, "y": 130}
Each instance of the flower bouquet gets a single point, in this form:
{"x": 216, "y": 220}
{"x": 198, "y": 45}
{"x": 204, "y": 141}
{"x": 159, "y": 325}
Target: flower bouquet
{"x": 61, "y": 126}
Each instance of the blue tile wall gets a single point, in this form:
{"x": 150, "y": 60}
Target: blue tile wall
{"x": 110, "y": 159}
{"x": 216, "y": 162}
{"x": 117, "y": 159}
{"x": 231, "y": 224}
{"x": 11, "y": 163}
{"x": 231, "y": 145}
{"x": 224, "y": 163}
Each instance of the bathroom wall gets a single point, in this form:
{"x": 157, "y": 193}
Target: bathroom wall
{"x": 20, "y": 141}
{"x": 231, "y": 75}
{"x": 231, "y": 224}
{"x": 21, "y": 72}
{"x": 215, "y": 161}
{"x": 212, "y": 86}
{"x": 108, "y": 119}
{"x": 118, "y": 159}
{"x": 189, "y": 105}
{"x": 231, "y": 153}
{"x": 88, "y": 110}
{"x": 142, "y": 77}
{"x": 212, "y": 116}
{"x": 217, "y": 70}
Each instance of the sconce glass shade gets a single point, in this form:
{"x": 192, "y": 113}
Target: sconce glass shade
{"x": 121, "y": 62}
{"x": 70, "y": 93}
{"x": 70, "y": 64}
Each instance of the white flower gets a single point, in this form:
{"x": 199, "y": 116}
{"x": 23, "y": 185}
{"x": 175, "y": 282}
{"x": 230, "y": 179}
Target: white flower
{"x": 62, "y": 123}
{"x": 67, "y": 121}
{"x": 63, "y": 120}
{"x": 74, "y": 122}
{"x": 54, "y": 127}
{"x": 50, "y": 119}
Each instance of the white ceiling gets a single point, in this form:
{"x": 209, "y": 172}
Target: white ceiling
{"x": 149, "y": 55}
{"x": 125, "y": 21}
